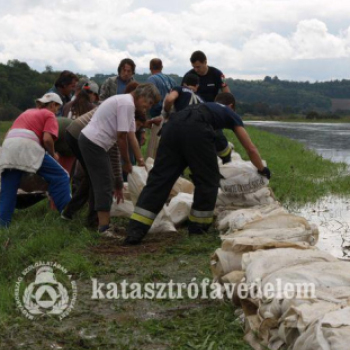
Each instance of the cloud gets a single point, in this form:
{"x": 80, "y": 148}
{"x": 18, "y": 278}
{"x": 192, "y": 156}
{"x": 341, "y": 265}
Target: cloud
{"x": 242, "y": 38}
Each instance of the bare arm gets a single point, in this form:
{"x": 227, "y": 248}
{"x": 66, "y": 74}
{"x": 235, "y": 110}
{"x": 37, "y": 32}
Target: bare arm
{"x": 136, "y": 148}
{"x": 122, "y": 138}
{"x": 49, "y": 144}
{"x": 169, "y": 100}
{"x": 225, "y": 89}
{"x": 248, "y": 145}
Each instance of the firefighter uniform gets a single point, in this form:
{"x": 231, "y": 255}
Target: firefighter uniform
{"x": 188, "y": 140}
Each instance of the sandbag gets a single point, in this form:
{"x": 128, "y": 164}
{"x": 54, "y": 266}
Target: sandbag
{"x": 332, "y": 332}
{"x": 295, "y": 234}
{"x": 278, "y": 221}
{"x": 222, "y": 262}
{"x": 179, "y": 207}
{"x": 124, "y": 209}
{"x": 162, "y": 223}
{"x": 230, "y": 201}
{"x": 259, "y": 264}
{"x": 181, "y": 185}
{"x": 136, "y": 182}
{"x": 247, "y": 244}
{"x": 232, "y": 220}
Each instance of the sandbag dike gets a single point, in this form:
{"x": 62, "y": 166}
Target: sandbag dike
{"x": 265, "y": 248}
{"x": 264, "y": 245}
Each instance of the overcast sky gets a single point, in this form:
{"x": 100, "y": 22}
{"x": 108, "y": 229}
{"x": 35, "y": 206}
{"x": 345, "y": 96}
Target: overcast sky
{"x": 247, "y": 39}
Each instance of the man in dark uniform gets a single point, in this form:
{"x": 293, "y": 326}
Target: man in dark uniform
{"x": 188, "y": 139}
{"x": 211, "y": 79}
{"x": 182, "y": 96}
{"x": 211, "y": 82}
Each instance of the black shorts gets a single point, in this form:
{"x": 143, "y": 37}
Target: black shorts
{"x": 99, "y": 168}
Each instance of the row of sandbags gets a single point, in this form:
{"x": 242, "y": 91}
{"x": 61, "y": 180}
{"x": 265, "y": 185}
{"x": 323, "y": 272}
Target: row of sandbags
{"x": 241, "y": 186}
{"x": 265, "y": 246}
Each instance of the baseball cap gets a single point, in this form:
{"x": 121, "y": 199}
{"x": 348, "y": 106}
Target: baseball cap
{"x": 50, "y": 97}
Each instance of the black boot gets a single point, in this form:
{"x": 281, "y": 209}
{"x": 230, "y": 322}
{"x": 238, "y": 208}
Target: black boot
{"x": 135, "y": 233}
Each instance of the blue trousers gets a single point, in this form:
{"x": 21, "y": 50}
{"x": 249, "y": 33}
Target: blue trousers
{"x": 54, "y": 175}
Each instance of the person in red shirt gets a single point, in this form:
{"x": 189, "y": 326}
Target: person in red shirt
{"x": 29, "y": 147}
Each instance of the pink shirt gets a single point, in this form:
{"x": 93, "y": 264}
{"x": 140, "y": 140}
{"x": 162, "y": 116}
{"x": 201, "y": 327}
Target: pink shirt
{"x": 116, "y": 114}
{"x": 38, "y": 121}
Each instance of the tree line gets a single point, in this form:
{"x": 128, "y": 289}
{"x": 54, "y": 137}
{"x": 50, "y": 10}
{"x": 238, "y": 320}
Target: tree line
{"x": 21, "y": 85}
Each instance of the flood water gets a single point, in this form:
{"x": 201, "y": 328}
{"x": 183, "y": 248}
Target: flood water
{"x": 331, "y": 214}
{"x": 332, "y": 141}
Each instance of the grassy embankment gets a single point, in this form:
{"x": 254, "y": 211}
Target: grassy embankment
{"x": 38, "y": 234}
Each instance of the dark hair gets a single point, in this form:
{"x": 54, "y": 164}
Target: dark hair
{"x": 131, "y": 87}
{"x": 191, "y": 79}
{"x": 125, "y": 61}
{"x": 156, "y": 64}
{"x": 198, "y": 56}
{"x": 81, "y": 104}
{"x": 226, "y": 98}
{"x": 65, "y": 78}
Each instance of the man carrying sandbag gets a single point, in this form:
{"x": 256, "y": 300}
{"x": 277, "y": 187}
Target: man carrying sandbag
{"x": 188, "y": 139}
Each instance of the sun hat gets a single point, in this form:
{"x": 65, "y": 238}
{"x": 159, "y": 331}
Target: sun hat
{"x": 50, "y": 97}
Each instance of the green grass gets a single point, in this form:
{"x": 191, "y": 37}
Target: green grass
{"x": 38, "y": 234}
{"x": 298, "y": 175}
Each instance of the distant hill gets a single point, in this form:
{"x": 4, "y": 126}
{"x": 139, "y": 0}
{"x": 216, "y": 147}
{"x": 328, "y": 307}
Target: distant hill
{"x": 21, "y": 85}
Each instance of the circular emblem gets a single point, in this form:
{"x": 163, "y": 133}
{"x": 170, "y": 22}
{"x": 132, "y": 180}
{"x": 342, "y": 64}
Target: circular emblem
{"x": 45, "y": 289}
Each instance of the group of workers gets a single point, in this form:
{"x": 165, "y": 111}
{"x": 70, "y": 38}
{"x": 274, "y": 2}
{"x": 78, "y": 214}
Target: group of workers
{"x": 102, "y": 135}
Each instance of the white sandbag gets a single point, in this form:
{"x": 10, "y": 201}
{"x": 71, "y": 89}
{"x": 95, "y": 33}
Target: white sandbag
{"x": 278, "y": 221}
{"x": 295, "y": 234}
{"x": 237, "y": 167}
{"x": 149, "y": 163}
{"x": 260, "y": 197}
{"x": 322, "y": 275}
{"x": 179, "y": 207}
{"x": 162, "y": 223}
{"x": 259, "y": 264}
{"x": 332, "y": 332}
{"x": 222, "y": 262}
{"x": 124, "y": 209}
{"x": 181, "y": 185}
{"x": 243, "y": 183}
{"x": 232, "y": 220}
{"x": 247, "y": 244}
{"x": 136, "y": 182}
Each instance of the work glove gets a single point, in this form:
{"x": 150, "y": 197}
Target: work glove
{"x": 265, "y": 172}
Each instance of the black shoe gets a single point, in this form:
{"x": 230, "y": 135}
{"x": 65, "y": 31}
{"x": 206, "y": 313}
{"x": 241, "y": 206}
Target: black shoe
{"x": 134, "y": 237}
{"x": 197, "y": 229}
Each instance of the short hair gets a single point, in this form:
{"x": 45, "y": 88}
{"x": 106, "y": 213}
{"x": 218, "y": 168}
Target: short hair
{"x": 155, "y": 64}
{"x": 131, "y": 87}
{"x": 226, "y": 98}
{"x": 65, "y": 78}
{"x": 148, "y": 91}
{"x": 198, "y": 56}
{"x": 191, "y": 79}
{"x": 128, "y": 61}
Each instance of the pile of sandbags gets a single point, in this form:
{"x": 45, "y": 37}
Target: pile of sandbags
{"x": 172, "y": 215}
{"x": 242, "y": 186}
{"x": 264, "y": 249}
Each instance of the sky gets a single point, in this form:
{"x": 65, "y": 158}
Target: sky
{"x": 299, "y": 40}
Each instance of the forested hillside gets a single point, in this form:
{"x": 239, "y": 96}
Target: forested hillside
{"x": 20, "y": 85}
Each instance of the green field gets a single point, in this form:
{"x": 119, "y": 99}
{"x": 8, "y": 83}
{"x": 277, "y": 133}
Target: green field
{"x": 38, "y": 234}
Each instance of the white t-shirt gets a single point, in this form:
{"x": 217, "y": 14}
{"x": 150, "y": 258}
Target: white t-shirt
{"x": 116, "y": 114}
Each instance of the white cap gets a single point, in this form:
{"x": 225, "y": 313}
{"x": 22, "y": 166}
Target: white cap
{"x": 50, "y": 97}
